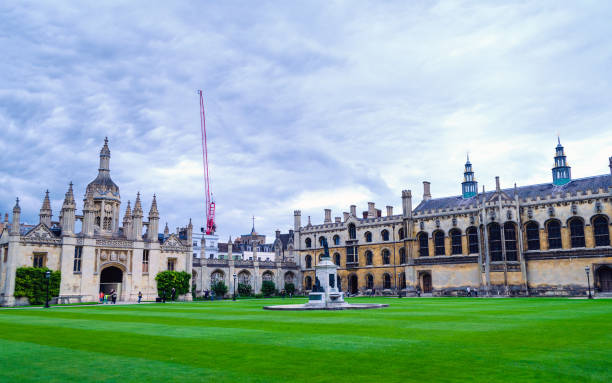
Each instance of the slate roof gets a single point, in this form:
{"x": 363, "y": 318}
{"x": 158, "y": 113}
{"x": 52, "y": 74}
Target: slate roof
{"x": 525, "y": 193}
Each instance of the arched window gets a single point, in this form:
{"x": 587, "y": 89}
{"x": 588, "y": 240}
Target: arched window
{"x": 369, "y": 257}
{"x": 577, "y": 232}
{"x": 217, "y": 276}
{"x": 510, "y": 238}
{"x": 336, "y": 240}
{"x": 386, "y": 281}
{"x": 456, "y": 247}
{"x": 308, "y": 283}
{"x": 321, "y": 240}
{"x": 267, "y": 276}
{"x": 321, "y": 257}
{"x": 400, "y": 233}
{"x": 402, "y": 255}
{"x": 439, "y": 243}
{"x": 385, "y": 235}
{"x": 533, "y": 235}
{"x": 352, "y": 232}
{"x": 369, "y": 282}
{"x": 472, "y": 235}
{"x": 553, "y": 229}
{"x": 337, "y": 259}
{"x": 402, "y": 280}
{"x": 308, "y": 262}
{"x": 368, "y": 236}
{"x": 386, "y": 257}
{"x": 98, "y": 221}
{"x": 600, "y": 231}
{"x": 423, "y": 245}
{"x": 308, "y": 243}
{"x": 495, "y": 246}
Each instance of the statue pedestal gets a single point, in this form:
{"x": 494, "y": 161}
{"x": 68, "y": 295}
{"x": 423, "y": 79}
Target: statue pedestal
{"x": 326, "y": 293}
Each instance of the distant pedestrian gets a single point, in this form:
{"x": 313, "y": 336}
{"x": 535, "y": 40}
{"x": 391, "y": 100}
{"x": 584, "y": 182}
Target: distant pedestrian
{"x": 164, "y": 296}
{"x": 105, "y": 298}
{"x": 114, "y": 296}
{"x": 101, "y": 296}
{"x": 139, "y": 296}
{"x": 173, "y": 294}
{"x": 469, "y": 292}
{"x": 212, "y": 295}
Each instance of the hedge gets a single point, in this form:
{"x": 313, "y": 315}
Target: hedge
{"x": 268, "y": 288}
{"x": 166, "y": 280}
{"x": 30, "y": 282}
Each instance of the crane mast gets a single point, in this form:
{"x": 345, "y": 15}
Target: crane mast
{"x": 210, "y": 204}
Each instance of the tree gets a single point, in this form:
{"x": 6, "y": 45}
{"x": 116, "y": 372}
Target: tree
{"x": 289, "y": 288}
{"x": 244, "y": 289}
{"x": 268, "y": 288}
{"x": 166, "y": 280}
{"x": 31, "y": 282}
{"x": 219, "y": 288}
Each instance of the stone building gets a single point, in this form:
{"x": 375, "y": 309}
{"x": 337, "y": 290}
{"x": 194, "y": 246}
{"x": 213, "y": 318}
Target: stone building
{"x": 252, "y": 262}
{"x": 528, "y": 240}
{"x": 105, "y": 254}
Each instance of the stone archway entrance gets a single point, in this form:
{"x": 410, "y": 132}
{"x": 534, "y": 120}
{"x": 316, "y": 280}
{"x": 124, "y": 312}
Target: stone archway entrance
{"x": 604, "y": 277}
{"x": 353, "y": 286}
{"x": 111, "y": 278}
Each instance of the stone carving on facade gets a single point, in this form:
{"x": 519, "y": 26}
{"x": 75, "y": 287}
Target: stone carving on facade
{"x": 551, "y": 211}
{"x": 115, "y": 243}
{"x": 172, "y": 243}
{"x": 41, "y": 235}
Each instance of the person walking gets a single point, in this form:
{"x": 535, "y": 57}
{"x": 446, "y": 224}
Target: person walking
{"x": 101, "y": 296}
{"x": 139, "y": 296}
{"x": 114, "y": 296}
{"x": 105, "y": 298}
{"x": 173, "y": 294}
{"x": 469, "y": 291}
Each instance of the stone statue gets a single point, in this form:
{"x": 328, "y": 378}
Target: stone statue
{"x": 317, "y": 286}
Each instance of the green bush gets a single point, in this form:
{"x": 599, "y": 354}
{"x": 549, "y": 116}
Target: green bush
{"x": 166, "y": 280}
{"x": 219, "y": 288}
{"x": 244, "y": 290}
{"x": 30, "y": 282}
{"x": 289, "y": 288}
{"x": 268, "y": 288}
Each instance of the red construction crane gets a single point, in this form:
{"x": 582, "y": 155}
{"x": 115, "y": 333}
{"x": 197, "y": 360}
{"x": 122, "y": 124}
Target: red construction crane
{"x": 210, "y": 204}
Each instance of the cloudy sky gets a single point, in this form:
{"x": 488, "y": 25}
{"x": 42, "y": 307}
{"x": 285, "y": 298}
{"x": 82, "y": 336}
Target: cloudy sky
{"x": 309, "y": 105}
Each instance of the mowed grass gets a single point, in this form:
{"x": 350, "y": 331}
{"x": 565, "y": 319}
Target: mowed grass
{"x": 443, "y": 339}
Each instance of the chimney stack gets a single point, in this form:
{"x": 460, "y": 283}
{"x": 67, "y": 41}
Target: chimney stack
{"x": 338, "y": 219}
{"x": 497, "y": 188}
{"x": 327, "y": 216}
{"x": 371, "y": 210}
{"x": 406, "y": 203}
{"x": 277, "y": 233}
{"x": 297, "y": 220}
{"x": 389, "y": 211}
{"x": 353, "y": 211}
{"x": 426, "y": 190}
{"x": 346, "y": 216}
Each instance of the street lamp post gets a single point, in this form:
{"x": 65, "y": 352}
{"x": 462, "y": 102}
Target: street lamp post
{"x": 234, "y": 297}
{"x": 588, "y": 272}
{"x": 47, "y": 277}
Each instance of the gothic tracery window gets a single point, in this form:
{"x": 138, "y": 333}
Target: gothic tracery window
{"x": 402, "y": 255}
{"x": 423, "y": 245}
{"x": 456, "y": 247}
{"x": 472, "y": 235}
{"x": 577, "y": 232}
{"x": 439, "y": 243}
{"x": 386, "y": 257}
{"x": 553, "y": 229}
{"x": 510, "y": 241}
{"x": 495, "y": 246}
{"x": 600, "y": 231}
{"x": 533, "y": 236}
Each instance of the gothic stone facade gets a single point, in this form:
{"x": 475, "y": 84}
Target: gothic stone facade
{"x": 530, "y": 240}
{"x": 282, "y": 270}
{"x": 103, "y": 255}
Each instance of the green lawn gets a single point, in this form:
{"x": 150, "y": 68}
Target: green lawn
{"x": 445, "y": 339}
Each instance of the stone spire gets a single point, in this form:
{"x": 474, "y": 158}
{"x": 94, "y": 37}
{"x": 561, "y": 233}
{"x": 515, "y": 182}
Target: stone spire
{"x": 6, "y": 214}
{"x": 166, "y": 230}
{"x": 68, "y": 208}
{"x": 127, "y": 222}
{"x": 190, "y": 232}
{"x": 45, "y": 211}
{"x": 137, "y": 219}
{"x": 16, "y": 217}
{"x": 230, "y": 247}
{"x": 88, "y": 214}
{"x": 153, "y": 221}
